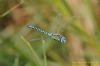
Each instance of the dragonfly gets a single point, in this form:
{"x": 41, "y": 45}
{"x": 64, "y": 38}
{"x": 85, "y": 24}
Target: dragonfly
{"x": 60, "y": 38}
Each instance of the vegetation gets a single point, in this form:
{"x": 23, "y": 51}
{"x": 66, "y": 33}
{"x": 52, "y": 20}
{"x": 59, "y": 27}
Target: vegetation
{"x": 77, "y": 20}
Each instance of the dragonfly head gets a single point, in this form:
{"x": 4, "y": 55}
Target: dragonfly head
{"x": 63, "y": 39}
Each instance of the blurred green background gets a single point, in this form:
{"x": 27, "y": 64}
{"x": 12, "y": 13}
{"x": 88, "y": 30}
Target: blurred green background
{"x": 77, "y": 20}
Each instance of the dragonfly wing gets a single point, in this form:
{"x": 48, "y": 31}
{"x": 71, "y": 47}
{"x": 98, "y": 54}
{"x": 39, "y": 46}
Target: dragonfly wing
{"x": 35, "y": 39}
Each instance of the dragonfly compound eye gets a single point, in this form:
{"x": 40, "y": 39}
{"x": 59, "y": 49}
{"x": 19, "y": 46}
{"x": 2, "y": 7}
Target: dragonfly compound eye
{"x": 63, "y": 40}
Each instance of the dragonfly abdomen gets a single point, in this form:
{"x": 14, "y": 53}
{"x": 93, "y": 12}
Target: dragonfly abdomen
{"x": 38, "y": 29}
